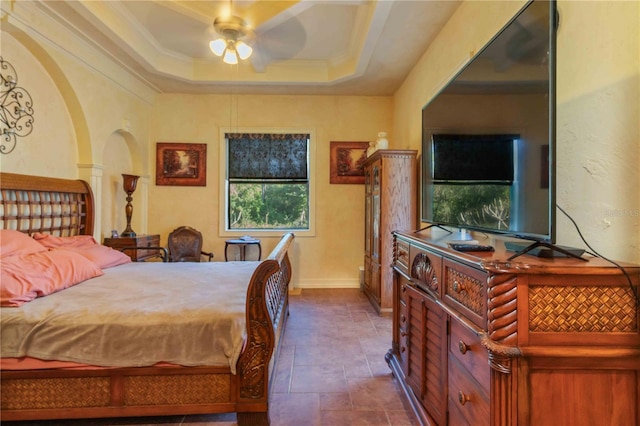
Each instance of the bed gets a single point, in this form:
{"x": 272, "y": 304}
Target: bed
{"x": 184, "y": 380}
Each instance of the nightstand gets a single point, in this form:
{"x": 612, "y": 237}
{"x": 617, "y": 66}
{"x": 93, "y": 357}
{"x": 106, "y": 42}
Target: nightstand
{"x": 242, "y": 247}
{"x": 137, "y": 241}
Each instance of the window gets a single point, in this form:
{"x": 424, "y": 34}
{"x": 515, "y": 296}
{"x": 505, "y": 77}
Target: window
{"x": 473, "y": 177}
{"x": 267, "y": 181}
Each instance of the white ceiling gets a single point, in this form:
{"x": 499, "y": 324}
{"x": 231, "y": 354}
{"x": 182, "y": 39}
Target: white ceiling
{"x": 331, "y": 47}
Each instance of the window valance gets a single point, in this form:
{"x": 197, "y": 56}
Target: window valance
{"x": 269, "y": 156}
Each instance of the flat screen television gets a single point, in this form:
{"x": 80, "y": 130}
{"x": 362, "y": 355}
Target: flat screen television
{"x": 489, "y": 135}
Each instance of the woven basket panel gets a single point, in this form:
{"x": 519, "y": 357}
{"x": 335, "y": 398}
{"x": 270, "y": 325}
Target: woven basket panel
{"x": 183, "y": 389}
{"x": 56, "y": 213}
{"x": 589, "y": 309}
{"x": 24, "y": 394}
{"x": 473, "y": 293}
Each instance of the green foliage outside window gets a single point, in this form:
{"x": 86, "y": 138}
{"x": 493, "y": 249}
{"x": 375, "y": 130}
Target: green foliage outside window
{"x": 269, "y": 206}
{"x": 480, "y": 205}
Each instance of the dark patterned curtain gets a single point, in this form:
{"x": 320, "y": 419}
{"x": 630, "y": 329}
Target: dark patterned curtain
{"x": 272, "y": 156}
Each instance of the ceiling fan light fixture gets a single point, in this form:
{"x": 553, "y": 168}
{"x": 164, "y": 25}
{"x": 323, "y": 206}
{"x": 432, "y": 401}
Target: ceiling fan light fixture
{"x": 218, "y": 46}
{"x": 243, "y": 49}
{"x": 231, "y": 29}
{"x": 230, "y": 57}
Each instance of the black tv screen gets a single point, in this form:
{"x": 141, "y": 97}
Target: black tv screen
{"x": 463, "y": 158}
{"x": 489, "y": 136}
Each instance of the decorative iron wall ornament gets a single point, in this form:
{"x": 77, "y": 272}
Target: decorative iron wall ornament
{"x": 16, "y": 114}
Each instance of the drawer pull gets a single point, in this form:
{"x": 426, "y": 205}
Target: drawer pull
{"x": 403, "y": 349}
{"x": 403, "y": 318}
{"x": 462, "y": 346}
{"x": 462, "y": 398}
{"x": 404, "y": 288}
{"x": 458, "y": 286}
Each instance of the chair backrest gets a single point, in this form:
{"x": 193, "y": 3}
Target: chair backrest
{"x": 185, "y": 245}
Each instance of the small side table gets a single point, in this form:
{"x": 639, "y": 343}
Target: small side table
{"x": 137, "y": 241}
{"x": 242, "y": 246}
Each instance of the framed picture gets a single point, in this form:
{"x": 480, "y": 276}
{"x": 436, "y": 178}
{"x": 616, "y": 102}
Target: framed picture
{"x": 181, "y": 164}
{"x": 347, "y": 162}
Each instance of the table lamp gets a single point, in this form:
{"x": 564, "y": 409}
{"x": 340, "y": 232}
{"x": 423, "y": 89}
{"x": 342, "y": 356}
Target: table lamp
{"x": 129, "y": 184}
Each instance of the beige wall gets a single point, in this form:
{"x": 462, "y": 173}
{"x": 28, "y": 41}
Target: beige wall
{"x": 330, "y": 257}
{"x": 52, "y": 133}
{"x": 91, "y": 117}
{"x": 598, "y": 97}
{"x": 94, "y": 120}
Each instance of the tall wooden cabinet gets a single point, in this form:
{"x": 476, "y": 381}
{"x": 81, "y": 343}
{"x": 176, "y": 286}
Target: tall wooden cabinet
{"x": 390, "y": 205}
{"x": 482, "y": 340}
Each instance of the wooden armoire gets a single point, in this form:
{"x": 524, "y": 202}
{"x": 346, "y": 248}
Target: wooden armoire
{"x": 391, "y": 181}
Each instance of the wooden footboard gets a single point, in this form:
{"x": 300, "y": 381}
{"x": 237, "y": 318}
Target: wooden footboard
{"x": 267, "y": 308}
{"x": 144, "y": 391}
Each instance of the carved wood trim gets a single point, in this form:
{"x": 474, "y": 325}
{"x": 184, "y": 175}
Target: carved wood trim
{"x": 502, "y": 407}
{"x": 502, "y": 320}
{"x": 422, "y": 269}
{"x": 266, "y": 298}
{"x": 252, "y": 364}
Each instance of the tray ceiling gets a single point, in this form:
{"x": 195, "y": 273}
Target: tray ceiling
{"x": 332, "y": 47}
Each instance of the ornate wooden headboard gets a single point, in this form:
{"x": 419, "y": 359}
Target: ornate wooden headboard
{"x": 61, "y": 207}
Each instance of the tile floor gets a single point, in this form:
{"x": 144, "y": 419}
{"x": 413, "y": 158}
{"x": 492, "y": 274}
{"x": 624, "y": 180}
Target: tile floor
{"x": 331, "y": 370}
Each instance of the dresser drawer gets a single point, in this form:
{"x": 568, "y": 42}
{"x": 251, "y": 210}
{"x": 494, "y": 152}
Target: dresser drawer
{"x": 403, "y": 335}
{"x": 464, "y": 346}
{"x": 402, "y": 293}
{"x": 466, "y": 396}
{"x": 401, "y": 256}
{"x": 426, "y": 270}
{"x": 122, "y": 243}
{"x": 467, "y": 288}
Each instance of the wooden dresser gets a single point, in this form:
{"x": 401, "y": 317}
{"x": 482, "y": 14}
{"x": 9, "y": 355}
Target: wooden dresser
{"x": 480, "y": 340}
{"x": 390, "y": 194}
{"x": 137, "y": 241}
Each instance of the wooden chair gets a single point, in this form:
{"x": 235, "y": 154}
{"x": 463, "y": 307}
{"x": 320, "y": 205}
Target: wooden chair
{"x": 185, "y": 245}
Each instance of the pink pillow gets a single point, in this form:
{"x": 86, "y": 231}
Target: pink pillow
{"x": 103, "y": 256}
{"x": 28, "y": 276}
{"x": 13, "y": 243}
{"x": 86, "y": 245}
{"x": 78, "y": 241}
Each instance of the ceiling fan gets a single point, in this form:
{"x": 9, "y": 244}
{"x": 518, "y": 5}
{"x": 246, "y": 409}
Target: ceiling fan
{"x": 229, "y": 45}
{"x": 278, "y": 37}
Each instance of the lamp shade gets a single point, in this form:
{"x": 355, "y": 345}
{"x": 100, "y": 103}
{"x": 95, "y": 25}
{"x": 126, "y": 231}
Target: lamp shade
{"x": 230, "y": 57}
{"x": 217, "y": 46}
{"x": 231, "y": 29}
{"x": 243, "y": 49}
{"x": 129, "y": 182}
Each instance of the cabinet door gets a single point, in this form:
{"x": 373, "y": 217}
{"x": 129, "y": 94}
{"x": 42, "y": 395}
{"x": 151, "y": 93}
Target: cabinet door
{"x": 402, "y": 321}
{"x": 426, "y": 370}
{"x": 374, "y": 283}
{"x": 375, "y": 211}
{"x": 367, "y": 211}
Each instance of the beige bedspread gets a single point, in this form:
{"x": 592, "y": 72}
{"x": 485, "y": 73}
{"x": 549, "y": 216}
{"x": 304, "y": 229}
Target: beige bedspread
{"x": 137, "y": 314}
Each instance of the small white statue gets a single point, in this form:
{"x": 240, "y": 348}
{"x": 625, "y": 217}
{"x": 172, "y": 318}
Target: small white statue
{"x": 382, "y": 142}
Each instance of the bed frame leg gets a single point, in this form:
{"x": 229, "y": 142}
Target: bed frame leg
{"x": 253, "y": 419}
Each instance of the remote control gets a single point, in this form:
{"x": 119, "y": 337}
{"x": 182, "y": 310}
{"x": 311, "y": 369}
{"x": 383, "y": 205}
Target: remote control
{"x": 471, "y": 247}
